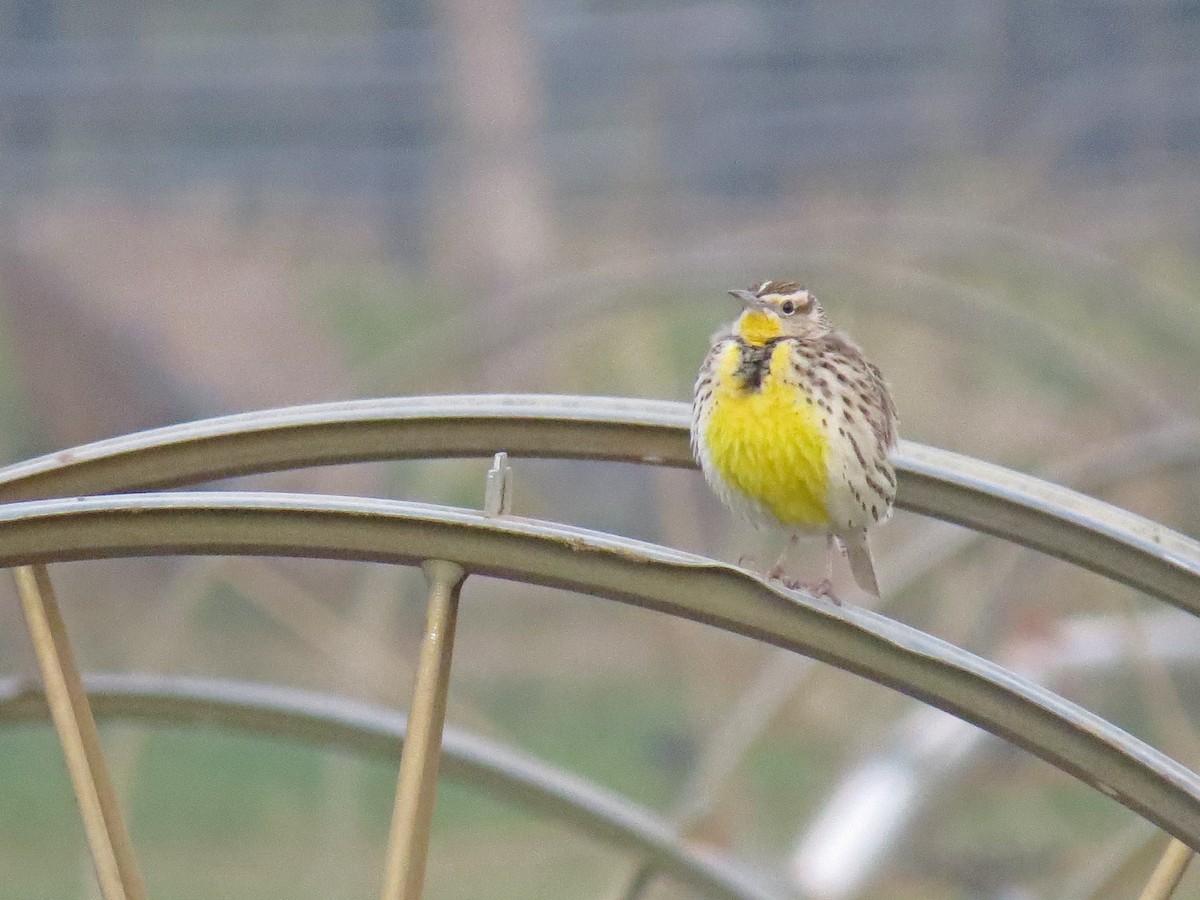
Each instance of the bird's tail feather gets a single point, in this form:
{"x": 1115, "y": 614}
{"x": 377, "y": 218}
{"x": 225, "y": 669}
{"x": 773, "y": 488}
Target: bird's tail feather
{"x": 858, "y": 554}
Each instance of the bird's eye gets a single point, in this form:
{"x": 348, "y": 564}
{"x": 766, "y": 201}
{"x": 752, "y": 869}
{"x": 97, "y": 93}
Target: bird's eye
{"x": 787, "y": 307}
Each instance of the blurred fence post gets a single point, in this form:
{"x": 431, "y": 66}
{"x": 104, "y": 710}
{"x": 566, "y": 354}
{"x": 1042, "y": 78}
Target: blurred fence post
{"x": 495, "y": 220}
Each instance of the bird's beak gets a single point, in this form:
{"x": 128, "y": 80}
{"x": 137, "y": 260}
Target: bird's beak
{"x": 747, "y": 297}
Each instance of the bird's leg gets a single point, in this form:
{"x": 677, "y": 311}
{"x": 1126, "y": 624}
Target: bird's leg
{"x": 749, "y": 560}
{"x": 824, "y": 587}
{"x": 776, "y": 572}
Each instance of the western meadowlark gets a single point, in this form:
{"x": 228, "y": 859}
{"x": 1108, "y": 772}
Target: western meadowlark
{"x": 793, "y": 426}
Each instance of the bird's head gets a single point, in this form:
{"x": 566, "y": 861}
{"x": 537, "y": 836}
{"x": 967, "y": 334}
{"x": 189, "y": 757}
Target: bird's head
{"x": 775, "y": 309}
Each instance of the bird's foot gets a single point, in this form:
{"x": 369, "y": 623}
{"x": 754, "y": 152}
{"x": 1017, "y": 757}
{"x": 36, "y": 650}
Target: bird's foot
{"x": 822, "y": 588}
{"x": 746, "y": 561}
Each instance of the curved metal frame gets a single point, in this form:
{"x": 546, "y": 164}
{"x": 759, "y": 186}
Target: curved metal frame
{"x": 988, "y": 498}
{"x": 450, "y": 543}
{"x": 642, "y": 574}
{"x": 326, "y": 721}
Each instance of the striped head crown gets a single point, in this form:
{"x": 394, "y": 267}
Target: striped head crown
{"x": 782, "y": 288}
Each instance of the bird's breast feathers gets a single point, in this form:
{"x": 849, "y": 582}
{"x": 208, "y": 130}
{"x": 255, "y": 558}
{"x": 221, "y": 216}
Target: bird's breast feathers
{"x": 762, "y": 435}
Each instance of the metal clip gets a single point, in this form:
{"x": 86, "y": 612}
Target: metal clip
{"x": 497, "y": 497}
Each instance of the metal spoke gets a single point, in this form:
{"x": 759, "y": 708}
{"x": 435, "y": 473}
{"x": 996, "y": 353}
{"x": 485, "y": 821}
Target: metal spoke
{"x": 416, "y": 786}
{"x": 1169, "y": 871}
{"x": 112, "y": 851}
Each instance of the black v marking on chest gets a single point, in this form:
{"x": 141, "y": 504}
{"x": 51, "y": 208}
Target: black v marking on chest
{"x": 754, "y": 362}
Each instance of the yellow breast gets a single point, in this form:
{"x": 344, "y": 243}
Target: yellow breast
{"x": 769, "y": 444}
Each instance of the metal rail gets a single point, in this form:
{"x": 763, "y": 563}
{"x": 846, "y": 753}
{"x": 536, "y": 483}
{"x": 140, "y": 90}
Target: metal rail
{"x": 988, "y": 498}
{"x": 859, "y": 641}
{"x": 325, "y": 721}
{"x": 875, "y": 801}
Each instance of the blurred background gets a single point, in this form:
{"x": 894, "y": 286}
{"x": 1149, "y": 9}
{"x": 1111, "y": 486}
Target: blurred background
{"x": 209, "y": 207}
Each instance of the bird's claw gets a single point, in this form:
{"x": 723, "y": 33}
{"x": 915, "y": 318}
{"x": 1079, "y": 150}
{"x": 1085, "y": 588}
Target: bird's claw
{"x": 822, "y": 588}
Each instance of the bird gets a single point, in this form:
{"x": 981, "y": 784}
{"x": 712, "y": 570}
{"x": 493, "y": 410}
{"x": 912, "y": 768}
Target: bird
{"x": 794, "y": 427}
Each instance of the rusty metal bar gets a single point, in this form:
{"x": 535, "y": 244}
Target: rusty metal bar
{"x": 988, "y": 498}
{"x": 859, "y": 641}
{"x": 112, "y": 851}
{"x": 416, "y": 785}
{"x": 1169, "y": 871}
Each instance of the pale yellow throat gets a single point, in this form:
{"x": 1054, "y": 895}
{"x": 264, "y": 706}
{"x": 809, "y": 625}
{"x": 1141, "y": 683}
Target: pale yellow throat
{"x": 757, "y": 327}
{"x": 769, "y": 444}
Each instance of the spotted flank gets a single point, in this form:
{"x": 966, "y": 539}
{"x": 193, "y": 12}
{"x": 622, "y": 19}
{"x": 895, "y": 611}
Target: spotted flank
{"x": 793, "y": 426}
